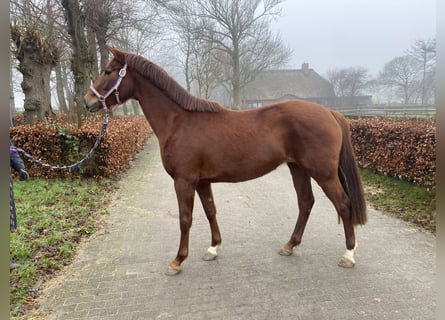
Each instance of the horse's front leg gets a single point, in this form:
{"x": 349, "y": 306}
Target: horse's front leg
{"x": 205, "y": 194}
{"x": 185, "y": 192}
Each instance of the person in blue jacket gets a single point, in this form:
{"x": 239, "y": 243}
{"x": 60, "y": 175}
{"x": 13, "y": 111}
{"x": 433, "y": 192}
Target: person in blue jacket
{"x": 17, "y": 164}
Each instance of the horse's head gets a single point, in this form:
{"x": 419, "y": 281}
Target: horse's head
{"x": 112, "y": 87}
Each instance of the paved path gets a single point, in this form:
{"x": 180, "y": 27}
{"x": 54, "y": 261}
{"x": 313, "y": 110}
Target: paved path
{"x": 119, "y": 274}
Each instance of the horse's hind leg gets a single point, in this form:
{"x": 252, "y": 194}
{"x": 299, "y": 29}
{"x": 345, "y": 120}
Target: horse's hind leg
{"x": 302, "y": 184}
{"x": 205, "y": 194}
{"x": 335, "y": 192}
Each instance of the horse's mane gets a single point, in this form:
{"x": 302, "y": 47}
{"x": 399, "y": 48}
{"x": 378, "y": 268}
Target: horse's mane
{"x": 163, "y": 81}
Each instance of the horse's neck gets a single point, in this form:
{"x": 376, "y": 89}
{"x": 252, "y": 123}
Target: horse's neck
{"x": 159, "y": 110}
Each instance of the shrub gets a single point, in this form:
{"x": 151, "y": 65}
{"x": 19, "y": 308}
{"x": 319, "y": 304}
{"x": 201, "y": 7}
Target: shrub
{"x": 59, "y": 142}
{"x": 402, "y": 148}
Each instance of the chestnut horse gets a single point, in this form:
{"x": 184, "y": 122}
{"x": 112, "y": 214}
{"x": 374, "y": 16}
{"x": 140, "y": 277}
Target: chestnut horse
{"x": 202, "y": 142}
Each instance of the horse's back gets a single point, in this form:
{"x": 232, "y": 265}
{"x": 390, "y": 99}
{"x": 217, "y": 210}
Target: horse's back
{"x": 233, "y": 146}
{"x": 300, "y": 119}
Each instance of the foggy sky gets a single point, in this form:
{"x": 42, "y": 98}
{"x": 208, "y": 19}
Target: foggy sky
{"x": 330, "y": 34}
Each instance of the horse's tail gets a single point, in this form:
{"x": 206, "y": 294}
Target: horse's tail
{"x": 349, "y": 175}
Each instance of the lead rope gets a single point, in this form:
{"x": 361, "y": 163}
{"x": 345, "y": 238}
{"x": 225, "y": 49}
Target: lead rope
{"x": 79, "y": 163}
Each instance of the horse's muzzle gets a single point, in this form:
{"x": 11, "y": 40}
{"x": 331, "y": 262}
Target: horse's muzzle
{"x": 92, "y": 106}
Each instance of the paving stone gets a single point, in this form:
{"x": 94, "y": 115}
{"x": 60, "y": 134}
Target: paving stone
{"x": 119, "y": 274}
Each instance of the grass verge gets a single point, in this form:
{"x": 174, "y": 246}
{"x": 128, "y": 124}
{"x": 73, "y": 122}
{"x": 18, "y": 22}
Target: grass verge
{"x": 412, "y": 203}
{"x": 53, "y": 216}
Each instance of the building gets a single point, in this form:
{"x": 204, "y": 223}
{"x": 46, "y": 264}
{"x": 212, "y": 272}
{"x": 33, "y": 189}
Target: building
{"x": 280, "y": 85}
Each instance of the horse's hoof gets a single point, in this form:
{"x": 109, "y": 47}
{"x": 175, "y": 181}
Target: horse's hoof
{"x": 209, "y": 257}
{"x": 285, "y": 252}
{"x": 172, "y": 271}
{"x": 211, "y": 254}
{"x": 346, "y": 263}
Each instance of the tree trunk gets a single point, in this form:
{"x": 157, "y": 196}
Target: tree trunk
{"x": 80, "y": 61}
{"x": 69, "y": 93}
{"x": 36, "y": 56}
{"x": 406, "y": 94}
{"x": 12, "y": 109}
{"x": 93, "y": 53}
{"x": 59, "y": 89}
{"x": 236, "y": 94}
{"x": 103, "y": 50}
{"x": 36, "y": 88}
{"x": 423, "y": 81}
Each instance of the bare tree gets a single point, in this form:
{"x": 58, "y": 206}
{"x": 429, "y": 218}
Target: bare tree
{"x": 80, "y": 60}
{"x": 239, "y": 30}
{"x": 99, "y": 15}
{"x": 338, "y": 77}
{"x": 142, "y": 36}
{"x": 401, "y": 73}
{"x": 349, "y": 82}
{"x": 425, "y": 52}
{"x": 105, "y": 18}
{"x": 37, "y": 53}
{"x": 180, "y": 17}
{"x": 206, "y": 67}
{"x": 144, "y": 31}
{"x": 430, "y": 87}
{"x": 243, "y": 34}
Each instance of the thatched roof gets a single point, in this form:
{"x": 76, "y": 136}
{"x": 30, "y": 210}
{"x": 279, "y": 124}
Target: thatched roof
{"x": 302, "y": 83}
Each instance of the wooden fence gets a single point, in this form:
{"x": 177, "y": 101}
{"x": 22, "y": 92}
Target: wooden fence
{"x": 416, "y": 111}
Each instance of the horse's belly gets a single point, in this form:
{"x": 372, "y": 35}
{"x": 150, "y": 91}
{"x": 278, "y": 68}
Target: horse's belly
{"x": 242, "y": 170}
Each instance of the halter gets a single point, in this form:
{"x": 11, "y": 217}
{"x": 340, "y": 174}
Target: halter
{"x": 114, "y": 88}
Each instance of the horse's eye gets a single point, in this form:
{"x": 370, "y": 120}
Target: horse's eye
{"x": 107, "y": 71}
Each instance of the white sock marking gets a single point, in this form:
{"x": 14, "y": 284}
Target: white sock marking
{"x": 349, "y": 254}
{"x": 213, "y": 250}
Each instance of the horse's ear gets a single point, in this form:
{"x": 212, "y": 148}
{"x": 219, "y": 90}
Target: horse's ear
{"x": 119, "y": 55}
